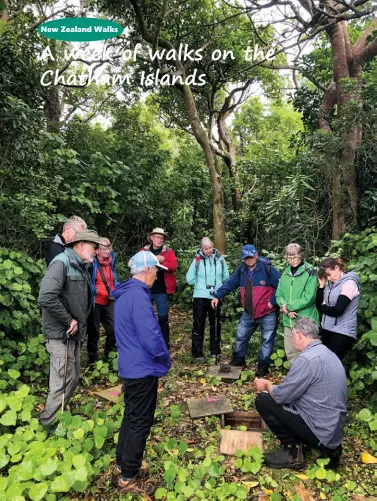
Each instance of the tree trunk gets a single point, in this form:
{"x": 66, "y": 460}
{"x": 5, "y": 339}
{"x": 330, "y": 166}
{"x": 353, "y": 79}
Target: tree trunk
{"x": 233, "y": 174}
{"x": 217, "y": 189}
{"x": 231, "y": 157}
{"x": 344, "y": 180}
{"x": 52, "y": 108}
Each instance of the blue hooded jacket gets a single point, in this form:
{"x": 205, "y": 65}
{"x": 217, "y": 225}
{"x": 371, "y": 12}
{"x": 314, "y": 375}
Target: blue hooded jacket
{"x": 141, "y": 347}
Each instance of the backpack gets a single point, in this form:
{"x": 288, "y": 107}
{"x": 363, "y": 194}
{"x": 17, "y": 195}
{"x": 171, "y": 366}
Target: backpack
{"x": 267, "y": 264}
{"x": 217, "y": 258}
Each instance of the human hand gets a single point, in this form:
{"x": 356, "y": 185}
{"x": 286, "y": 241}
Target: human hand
{"x": 284, "y": 309}
{"x": 73, "y": 328}
{"x": 270, "y": 305}
{"x": 261, "y": 384}
{"x": 321, "y": 282}
{"x": 292, "y": 314}
{"x": 214, "y": 302}
{"x": 160, "y": 259}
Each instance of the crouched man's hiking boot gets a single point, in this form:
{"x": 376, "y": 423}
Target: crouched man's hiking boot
{"x": 333, "y": 454}
{"x": 286, "y": 457}
{"x": 136, "y": 485}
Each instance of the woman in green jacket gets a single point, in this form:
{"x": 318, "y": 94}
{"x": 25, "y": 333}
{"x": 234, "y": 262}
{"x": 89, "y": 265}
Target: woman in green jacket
{"x": 296, "y": 295}
{"x": 207, "y": 273}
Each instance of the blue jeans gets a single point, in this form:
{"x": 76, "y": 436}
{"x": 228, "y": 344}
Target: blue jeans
{"x": 162, "y": 305}
{"x": 246, "y": 328}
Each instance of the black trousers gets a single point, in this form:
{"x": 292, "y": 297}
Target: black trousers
{"x": 101, "y": 314}
{"x": 289, "y": 428}
{"x": 202, "y": 307}
{"x": 337, "y": 343}
{"x": 140, "y": 398}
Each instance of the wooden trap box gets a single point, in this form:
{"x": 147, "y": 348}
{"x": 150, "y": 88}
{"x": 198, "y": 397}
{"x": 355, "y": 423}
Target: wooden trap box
{"x": 113, "y": 394}
{"x": 232, "y": 440}
{"x": 227, "y": 377}
{"x": 211, "y": 406}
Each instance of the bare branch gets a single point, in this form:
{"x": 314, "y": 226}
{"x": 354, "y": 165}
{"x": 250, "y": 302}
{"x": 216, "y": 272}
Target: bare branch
{"x": 361, "y": 42}
{"x": 41, "y": 21}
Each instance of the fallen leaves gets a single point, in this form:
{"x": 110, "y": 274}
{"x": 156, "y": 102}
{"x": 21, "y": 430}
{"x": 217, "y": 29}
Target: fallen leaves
{"x": 368, "y": 458}
{"x": 250, "y": 485}
{"x": 303, "y": 493}
{"x": 301, "y": 476}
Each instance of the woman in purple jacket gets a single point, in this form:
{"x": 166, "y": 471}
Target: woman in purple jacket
{"x": 143, "y": 358}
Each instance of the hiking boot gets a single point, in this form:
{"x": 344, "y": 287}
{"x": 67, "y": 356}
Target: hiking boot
{"x": 143, "y": 473}
{"x": 199, "y": 360}
{"x": 333, "y": 454}
{"x": 49, "y": 428}
{"x": 136, "y": 485}
{"x": 237, "y": 362}
{"x": 261, "y": 371}
{"x": 286, "y": 457}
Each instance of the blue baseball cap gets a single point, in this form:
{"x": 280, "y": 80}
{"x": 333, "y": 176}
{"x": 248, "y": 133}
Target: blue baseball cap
{"x": 143, "y": 259}
{"x": 248, "y": 251}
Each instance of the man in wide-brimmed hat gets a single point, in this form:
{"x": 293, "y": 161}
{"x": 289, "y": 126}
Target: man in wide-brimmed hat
{"x": 166, "y": 282}
{"x": 66, "y": 299}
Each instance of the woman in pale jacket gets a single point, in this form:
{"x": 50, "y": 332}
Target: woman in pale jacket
{"x": 207, "y": 273}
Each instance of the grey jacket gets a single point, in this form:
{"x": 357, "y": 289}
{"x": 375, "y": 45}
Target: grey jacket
{"x": 65, "y": 294}
{"x": 347, "y": 323}
{"x": 316, "y": 389}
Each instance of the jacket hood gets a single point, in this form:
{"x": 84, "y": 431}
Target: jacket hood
{"x": 303, "y": 266}
{"x": 199, "y": 253}
{"x": 59, "y": 239}
{"x": 347, "y": 276}
{"x": 129, "y": 284}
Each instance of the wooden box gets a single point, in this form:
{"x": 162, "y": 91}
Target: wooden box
{"x": 232, "y": 440}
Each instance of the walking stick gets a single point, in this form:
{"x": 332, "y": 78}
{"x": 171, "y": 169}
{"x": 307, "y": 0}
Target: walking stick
{"x": 216, "y": 335}
{"x": 224, "y": 367}
{"x": 65, "y": 368}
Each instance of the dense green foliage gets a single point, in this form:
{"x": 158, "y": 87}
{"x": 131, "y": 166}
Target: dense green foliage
{"x": 126, "y": 160}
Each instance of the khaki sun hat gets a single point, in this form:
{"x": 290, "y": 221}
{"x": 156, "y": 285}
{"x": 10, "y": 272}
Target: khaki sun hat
{"x": 86, "y": 236}
{"x": 156, "y": 231}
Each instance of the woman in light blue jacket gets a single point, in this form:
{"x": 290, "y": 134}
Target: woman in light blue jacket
{"x": 207, "y": 273}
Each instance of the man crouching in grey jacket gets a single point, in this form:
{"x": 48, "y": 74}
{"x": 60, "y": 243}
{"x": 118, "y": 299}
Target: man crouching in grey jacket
{"x": 66, "y": 299}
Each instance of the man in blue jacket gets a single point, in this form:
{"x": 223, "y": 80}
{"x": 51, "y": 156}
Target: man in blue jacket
{"x": 258, "y": 281}
{"x": 143, "y": 358}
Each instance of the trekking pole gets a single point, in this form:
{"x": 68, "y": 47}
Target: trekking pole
{"x": 216, "y": 336}
{"x": 67, "y": 336}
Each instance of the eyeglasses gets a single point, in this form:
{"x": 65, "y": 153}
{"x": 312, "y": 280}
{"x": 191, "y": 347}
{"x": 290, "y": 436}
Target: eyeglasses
{"x": 105, "y": 247}
{"x": 291, "y": 257}
{"x": 159, "y": 237}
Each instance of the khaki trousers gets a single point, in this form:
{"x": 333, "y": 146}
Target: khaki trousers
{"x": 57, "y": 351}
{"x": 289, "y": 347}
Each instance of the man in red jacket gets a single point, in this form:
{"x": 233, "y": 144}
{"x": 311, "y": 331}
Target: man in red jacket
{"x": 166, "y": 282}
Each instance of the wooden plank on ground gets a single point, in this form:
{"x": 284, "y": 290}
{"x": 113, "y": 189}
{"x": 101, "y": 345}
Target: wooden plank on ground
{"x": 211, "y": 406}
{"x": 232, "y": 440}
{"x": 233, "y": 375}
{"x": 112, "y": 394}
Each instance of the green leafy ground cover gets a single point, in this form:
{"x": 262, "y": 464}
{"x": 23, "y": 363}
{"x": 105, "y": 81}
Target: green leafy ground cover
{"x": 76, "y": 462}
